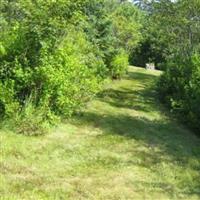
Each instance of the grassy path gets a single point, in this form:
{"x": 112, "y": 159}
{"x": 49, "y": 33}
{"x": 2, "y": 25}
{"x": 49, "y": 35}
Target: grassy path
{"x": 122, "y": 147}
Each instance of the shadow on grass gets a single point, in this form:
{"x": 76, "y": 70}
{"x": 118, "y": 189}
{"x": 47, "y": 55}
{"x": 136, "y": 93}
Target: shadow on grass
{"x": 141, "y": 97}
{"x": 140, "y": 100}
{"x": 140, "y": 76}
{"x": 163, "y": 133}
{"x": 175, "y": 148}
{"x": 173, "y": 142}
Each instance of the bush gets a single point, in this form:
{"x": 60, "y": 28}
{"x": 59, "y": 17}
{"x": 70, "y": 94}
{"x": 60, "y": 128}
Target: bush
{"x": 57, "y": 55}
{"x": 179, "y": 89}
{"x": 62, "y": 81}
{"x": 33, "y": 121}
{"x": 119, "y": 65}
{"x": 8, "y": 105}
{"x": 70, "y": 76}
{"x": 45, "y": 60}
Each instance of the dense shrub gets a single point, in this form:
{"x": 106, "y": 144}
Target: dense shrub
{"x": 119, "y": 65}
{"x": 33, "y": 121}
{"x": 55, "y": 55}
{"x": 179, "y": 88}
{"x": 8, "y": 105}
{"x": 71, "y": 75}
{"x": 63, "y": 79}
{"x": 171, "y": 39}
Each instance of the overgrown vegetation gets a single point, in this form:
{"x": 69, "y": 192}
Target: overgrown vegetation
{"x": 172, "y": 41}
{"x": 122, "y": 146}
{"x": 55, "y": 55}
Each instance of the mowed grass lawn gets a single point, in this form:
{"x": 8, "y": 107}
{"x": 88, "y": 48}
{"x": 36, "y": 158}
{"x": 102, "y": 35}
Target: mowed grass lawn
{"x": 123, "y": 146}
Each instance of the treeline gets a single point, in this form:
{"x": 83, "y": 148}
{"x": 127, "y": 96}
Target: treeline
{"x": 55, "y": 56}
{"x": 172, "y": 40}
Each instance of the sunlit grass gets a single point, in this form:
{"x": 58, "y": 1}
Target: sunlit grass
{"x": 123, "y": 146}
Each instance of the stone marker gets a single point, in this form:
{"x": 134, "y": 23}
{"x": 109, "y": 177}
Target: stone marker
{"x": 150, "y": 66}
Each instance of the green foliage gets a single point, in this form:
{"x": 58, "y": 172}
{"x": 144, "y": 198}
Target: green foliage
{"x": 119, "y": 65}
{"x": 123, "y": 139}
{"x": 170, "y": 28}
{"x": 71, "y": 75}
{"x": 171, "y": 38}
{"x": 179, "y": 88}
{"x": 56, "y": 54}
{"x": 127, "y": 24}
{"x": 8, "y": 106}
{"x": 33, "y": 121}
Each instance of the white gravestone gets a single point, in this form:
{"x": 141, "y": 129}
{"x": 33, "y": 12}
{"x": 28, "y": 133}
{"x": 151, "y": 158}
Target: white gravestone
{"x": 150, "y": 66}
